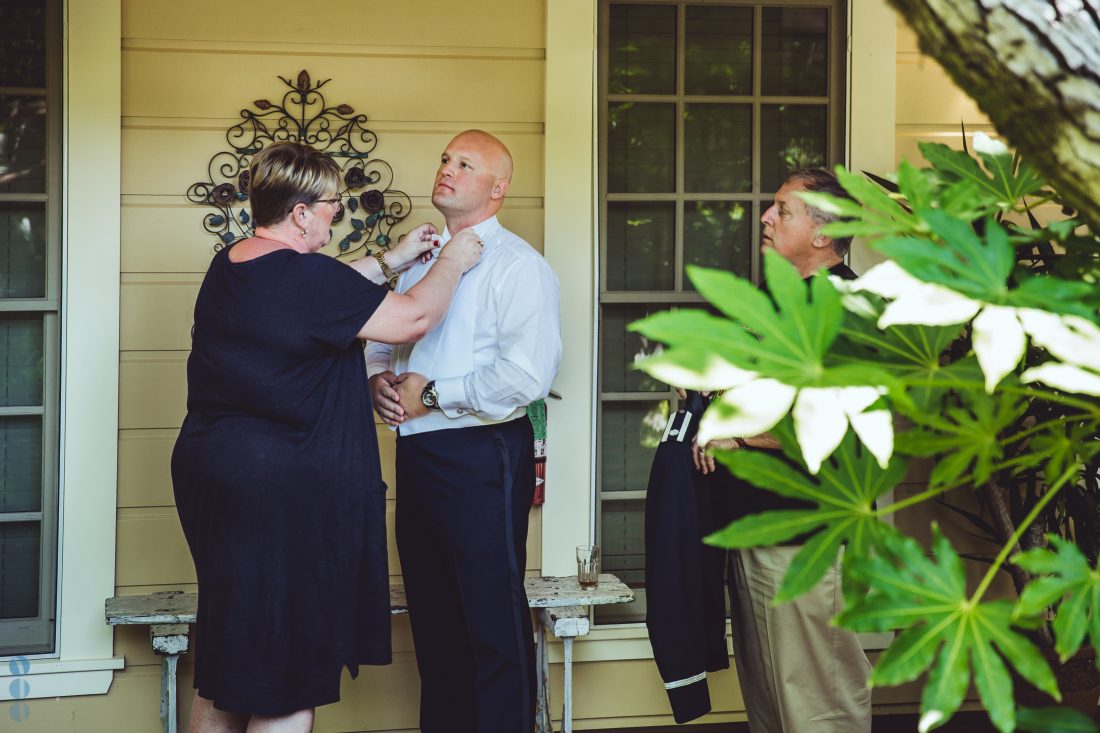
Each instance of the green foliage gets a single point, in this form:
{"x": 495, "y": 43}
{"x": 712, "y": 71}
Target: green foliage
{"x": 786, "y": 340}
{"x": 967, "y": 436}
{"x": 844, "y": 491}
{"x": 1035, "y": 449}
{"x": 942, "y": 630}
{"x": 1054, "y": 720}
{"x": 1067, "y": 580}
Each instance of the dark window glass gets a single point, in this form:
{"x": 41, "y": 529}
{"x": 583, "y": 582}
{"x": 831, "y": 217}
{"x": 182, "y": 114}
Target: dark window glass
{"x": 641, "y": 245}
{"x": 642, "y": 49}
{"x": 22, "y": 351}
{"x": 641, "y": 148}
{"x": 23, "y": 44}
{"x": 717, "y": 148}
{"x": 19, "y": 563}
{"x": 20, "y": 465}
{"x": 795, "y": 52}
{"x": 718, "y": 48}
{"x": 22, "y": 144}
{"x": 792, "y": 136}
{"x": 622, "y": 545}
{"x": 630, "y": 434}
{"x": 622, "y": 348}
{"x": 718, "y": 234}
{"x": 23, "y": 249}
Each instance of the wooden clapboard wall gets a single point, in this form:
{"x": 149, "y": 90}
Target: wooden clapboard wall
{"x": 421, "y": 71}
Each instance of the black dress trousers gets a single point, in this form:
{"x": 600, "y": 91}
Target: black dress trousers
{"x": 463, "y": 497}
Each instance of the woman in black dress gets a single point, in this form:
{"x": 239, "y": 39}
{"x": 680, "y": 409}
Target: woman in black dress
{"x": 276, "y": 471}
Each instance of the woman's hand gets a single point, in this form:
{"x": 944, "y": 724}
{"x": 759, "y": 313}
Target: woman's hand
{"x": 417, "y": 244}
{"x": 465, "y": 248}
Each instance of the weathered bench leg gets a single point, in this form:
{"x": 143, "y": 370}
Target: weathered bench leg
{"x": 169, "y": 641}
{"x": 566, "y": 623}
{"x": 542, "y": 673}
{"x": 567, "y": 686}
{"x": 168, "y": 714}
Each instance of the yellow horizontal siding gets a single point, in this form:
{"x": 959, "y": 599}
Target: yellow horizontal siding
{"x": 382, "y": 87}
{"x": 424, "y": 23}
{"x": 165, "y": 162}
{"x": 163, "y": 234}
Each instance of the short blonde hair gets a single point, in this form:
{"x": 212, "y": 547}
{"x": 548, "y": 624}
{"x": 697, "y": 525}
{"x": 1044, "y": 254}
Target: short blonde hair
{"x": 285, "y": 174}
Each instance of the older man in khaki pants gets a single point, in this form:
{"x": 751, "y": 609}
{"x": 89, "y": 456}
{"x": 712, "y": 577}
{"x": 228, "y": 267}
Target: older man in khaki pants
{"x": 798, "y": 672}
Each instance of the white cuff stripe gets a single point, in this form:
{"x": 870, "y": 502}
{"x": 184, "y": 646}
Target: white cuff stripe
{"x": 686, "y": 681}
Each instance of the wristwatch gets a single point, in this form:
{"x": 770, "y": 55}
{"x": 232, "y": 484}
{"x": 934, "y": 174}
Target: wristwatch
{"x": 429, "y": 396}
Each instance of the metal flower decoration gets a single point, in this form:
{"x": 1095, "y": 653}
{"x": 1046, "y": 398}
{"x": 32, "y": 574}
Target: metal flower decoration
{"x": 371, "y": 206}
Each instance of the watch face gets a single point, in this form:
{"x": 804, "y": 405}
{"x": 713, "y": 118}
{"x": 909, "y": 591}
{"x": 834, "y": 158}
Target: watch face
{"x": 428, "y": 396}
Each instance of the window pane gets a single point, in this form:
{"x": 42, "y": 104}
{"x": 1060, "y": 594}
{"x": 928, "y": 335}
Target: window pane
{"x": 793, "y": 136}
{"x": 629, "y": 434}
{"x": 23, "y": 44}
{"x": 22, "y": 144}
{"x": 642, "y": 49}
{"x": 641, "y": 244}
{"x": 21, "y": 359}
{"x": 718, "y": 234}
{"x": 719, "y": 50}
{"x": 20, "y": 464}
{"x": 795, "y": 52}
{"x": 19, "y": 548}
{"x": 717, "y": 148}
{"x": 22, "y": 250}
{"x": 641, "y": 148}
{"x": 622, "y": 348}
{"x": 622, "y": 548}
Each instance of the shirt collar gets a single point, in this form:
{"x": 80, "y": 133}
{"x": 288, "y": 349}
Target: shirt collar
{"x": 485, "y": 230}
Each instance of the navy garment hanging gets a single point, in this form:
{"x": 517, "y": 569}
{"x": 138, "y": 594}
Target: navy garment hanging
{"x": 685, "y": 596}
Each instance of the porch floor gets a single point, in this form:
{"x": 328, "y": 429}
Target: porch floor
{"x": 966, "y": 722}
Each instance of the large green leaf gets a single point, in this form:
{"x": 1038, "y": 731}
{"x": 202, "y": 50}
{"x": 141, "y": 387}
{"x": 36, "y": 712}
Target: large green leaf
{"x": 987, "y": 193}
{"x": 913, "y": 354}
{"x": 959, "y": 258}
{"x": 1068, "y": 583}
{"x": 942, "y": 630}
{"x": 1055, "y": 295}
{"x": 965, "y": 438}
{"x": 786, "y": 340}
{"x": 1054, "y": 720}
{"x": 844, "y": 492}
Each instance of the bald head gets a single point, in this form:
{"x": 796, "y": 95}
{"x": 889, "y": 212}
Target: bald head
{"x": 473, "y": 177}
{"x": 495, "y": 152}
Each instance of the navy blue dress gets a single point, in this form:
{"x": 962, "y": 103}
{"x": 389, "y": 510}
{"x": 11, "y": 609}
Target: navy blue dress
{"x": 278, "y": 486}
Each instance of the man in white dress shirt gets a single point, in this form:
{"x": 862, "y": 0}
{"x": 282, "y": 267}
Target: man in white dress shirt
{"x": 465, "y": 466}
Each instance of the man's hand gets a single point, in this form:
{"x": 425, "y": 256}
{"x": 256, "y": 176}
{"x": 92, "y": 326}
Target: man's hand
{"x": 387, "y": 401}
{"x": 409, "y": 386}
{"x": 703, "y": 457}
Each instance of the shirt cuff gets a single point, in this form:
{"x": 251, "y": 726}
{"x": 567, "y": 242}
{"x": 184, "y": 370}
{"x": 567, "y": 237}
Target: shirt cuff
{"x": 452, "y": 396}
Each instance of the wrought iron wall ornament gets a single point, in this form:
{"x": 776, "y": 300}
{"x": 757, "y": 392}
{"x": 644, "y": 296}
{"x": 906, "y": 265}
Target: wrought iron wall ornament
{"x": 371, "y": 207}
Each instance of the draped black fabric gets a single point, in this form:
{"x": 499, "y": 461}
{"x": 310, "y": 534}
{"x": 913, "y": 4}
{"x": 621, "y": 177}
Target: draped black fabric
{"x": 685, "y": 596}
{"x": 278, "y": 485}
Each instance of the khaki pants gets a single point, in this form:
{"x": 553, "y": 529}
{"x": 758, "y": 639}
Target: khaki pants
{"x": 798, "y": 673}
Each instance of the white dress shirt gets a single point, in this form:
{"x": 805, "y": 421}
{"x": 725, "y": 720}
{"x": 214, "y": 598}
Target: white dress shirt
{"x": 499, "y": 346}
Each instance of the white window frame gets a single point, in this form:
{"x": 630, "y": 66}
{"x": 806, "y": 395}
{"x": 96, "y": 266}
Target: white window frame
{"x": 83, "y": 661}
{"x": 572, "y": 246}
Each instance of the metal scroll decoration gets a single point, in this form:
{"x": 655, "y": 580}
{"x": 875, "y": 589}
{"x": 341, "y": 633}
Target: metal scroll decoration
{"x": 370, "y": 205}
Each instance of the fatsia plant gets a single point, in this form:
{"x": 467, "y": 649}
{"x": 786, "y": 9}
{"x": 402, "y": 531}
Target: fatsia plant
{"x": 987, "y": 363}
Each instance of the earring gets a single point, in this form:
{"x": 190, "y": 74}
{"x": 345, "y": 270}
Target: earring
{"x": 303, "y": 232}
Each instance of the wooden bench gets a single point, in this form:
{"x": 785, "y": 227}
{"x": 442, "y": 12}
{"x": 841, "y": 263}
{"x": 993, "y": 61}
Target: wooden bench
{"x": 560, "y": 603}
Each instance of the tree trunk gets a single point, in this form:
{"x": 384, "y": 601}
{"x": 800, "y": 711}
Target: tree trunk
{"x": 1033, "y": 66}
